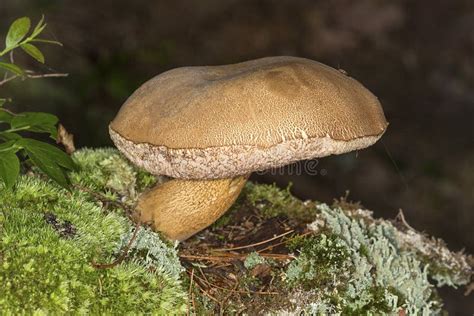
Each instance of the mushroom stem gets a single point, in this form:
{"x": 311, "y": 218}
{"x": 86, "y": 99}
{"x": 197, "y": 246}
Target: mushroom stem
{"x": 181, "y": 208}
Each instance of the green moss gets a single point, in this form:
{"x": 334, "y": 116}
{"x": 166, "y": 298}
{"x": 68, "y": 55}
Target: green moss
{"x": 107, "y": 170}
{"x": 273, "y": 202}
{"x": 377, "y": 303}
{"x": 320, "y": 259}
{"x": 50, "y": 237}
{"x": 294, "y": 243}
{"x": 222, "y": 221}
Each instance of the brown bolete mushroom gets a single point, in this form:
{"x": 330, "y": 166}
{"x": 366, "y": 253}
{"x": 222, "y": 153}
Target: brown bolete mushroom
{"x": 210, "y": 127}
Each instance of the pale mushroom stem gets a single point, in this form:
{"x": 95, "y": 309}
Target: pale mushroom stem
{"x": 181, "y": 208}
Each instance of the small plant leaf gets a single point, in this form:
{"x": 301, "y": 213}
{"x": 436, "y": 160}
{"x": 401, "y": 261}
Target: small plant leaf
{"x": 2, "y": 102}
{"x": 9, "y": 146}
{"x": 36, "y": 122}
{"x": 44, "y": 149}
{"x": 33, "y": 51}
{"x": 9, "y": 168}
{"x": 38, "y": 28}
{"x": 49, "y": 159}
{"x": 40, "y": 40}
{"x": 17, "y": 31}
{"x": 11, "y": 67}
{"x": 9, "y": 136}
{"x": 49, "y": 167}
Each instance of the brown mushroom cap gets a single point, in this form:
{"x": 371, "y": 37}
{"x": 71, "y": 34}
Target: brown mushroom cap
{"x": 222, "y": 121}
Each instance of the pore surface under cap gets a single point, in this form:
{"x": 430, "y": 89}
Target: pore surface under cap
{"x": 230, "y": 161}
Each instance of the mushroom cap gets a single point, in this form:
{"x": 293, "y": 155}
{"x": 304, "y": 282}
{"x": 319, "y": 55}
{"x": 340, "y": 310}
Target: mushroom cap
{"x": 222, "y": 121}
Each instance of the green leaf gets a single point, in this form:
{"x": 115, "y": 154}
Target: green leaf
{"x": 17, "y": 31}
{"x": 9, "y": 168}
{"x": 9, "y": 136}
{"x": 44, "y": 149}
{"x": 49, "y": 159}
{"x": 11, "y": 67}
{"x": 33, "y": 51}
{"x": 40, "y": 40}
{"x": 36, "y": 122}
{"x": 9, "y": 146}
{"x": 5, "y": 117}
{"x": 39, "y": 27}
{"x": 49, "y": 166}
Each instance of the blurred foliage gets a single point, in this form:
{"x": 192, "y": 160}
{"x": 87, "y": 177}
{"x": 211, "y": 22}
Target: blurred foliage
{"x": 52, "y": 161}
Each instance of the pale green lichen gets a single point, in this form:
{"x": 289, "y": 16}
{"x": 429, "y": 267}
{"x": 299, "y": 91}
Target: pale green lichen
{"x": 150, "y": 251}
{"x": 444, "y": 266}
{"x": 382, "y": 266}
{"x": 355, "y": 264}
{"x": 360, "y": 270}
{"x": 252, "y": 260}
{"x": 380, "y": 275}
{"x": 50, "y": 238}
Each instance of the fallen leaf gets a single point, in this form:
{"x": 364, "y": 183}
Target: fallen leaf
{"x": 66, "y": 139}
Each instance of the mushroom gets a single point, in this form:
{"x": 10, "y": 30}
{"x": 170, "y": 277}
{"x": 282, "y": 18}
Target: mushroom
{"x": 209, "y": 127}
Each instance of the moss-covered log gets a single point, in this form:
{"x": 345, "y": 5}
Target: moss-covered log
{"x": 77, "y": 252}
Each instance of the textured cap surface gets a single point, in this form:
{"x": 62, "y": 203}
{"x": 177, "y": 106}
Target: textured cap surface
{"x": 269, "y": 112}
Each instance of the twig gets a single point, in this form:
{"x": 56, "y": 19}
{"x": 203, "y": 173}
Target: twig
{"x": 9, "y": 112}
{"x": 122, "y": 256}
{"x": 401, "y": 218}
{"x": 219, "y": 265}
{"x": 55, "y": 75}
{"x": 208, "y": 258}
{"x": 236, "y": 291}
{"x": 231, "y": 291}
{"x": 204, "y": 291}
{"x": 31, "y": 76}
{"x": 469, "y": 289}
{"x": 190, "y": 290}
{"x": 6, "y": 79}
{"x": 203, "y": 274}
{"x": 255, "y": 244}
{"x": 236, "y": 257}
{"x": 282, "y": 242}
{"x": 103, "y": 198}
{"x": 221, "y": 305}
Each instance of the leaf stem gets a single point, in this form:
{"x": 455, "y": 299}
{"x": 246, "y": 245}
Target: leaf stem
{"x": 11, "y": 130}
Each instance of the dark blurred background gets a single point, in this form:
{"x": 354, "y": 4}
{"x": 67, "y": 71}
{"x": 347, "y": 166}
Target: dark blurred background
{"x": 416, "y": 56}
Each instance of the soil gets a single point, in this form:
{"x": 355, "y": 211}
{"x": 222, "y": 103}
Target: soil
{"x": 214, "y": 260}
